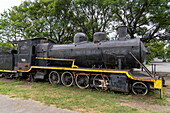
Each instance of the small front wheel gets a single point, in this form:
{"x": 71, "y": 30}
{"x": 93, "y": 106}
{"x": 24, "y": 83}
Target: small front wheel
{"x": 140, "y": 88}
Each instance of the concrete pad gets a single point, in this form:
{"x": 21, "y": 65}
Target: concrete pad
{"x": 13, "y": 105}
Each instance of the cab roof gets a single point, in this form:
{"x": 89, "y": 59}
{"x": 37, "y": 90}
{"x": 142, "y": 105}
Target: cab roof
{"x": 33, "y": 39}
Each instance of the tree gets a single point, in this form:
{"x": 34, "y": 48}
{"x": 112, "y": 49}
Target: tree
{"x": 64, "y": 30}
{"x": 59, "y": 20}
{"x": 168, "y": 51}
{"x": 144, "y": 18}
{"x": 42, "y": 18}
{"x": 92, "y": 16}
{"x": 51, "y": 19}
{"x": 7, "y": 30}
{"x": 13, "y": 24}
{"x": 155, "y": 49}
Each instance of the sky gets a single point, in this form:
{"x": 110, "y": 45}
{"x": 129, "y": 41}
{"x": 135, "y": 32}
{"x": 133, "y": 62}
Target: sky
{"x": 7, "y": 4}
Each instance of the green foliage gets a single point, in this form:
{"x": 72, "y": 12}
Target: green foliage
{"x": 168, "y": 51}
{"x": 59, "y": 20}
{"x": 144, "y": 18}
{"x": 155, "y": 49}
{"x": 42, "y": 18}
{"x": 4, "y": 46}
{"x": 92, "y": 16}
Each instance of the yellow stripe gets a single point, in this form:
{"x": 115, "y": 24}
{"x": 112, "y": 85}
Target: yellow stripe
{"x": 82, "y": 69}
{"x": 75, "y": 69}
{"x": 54, "y": 59}
{"x": 8, "y": 71}
{"x": 89, "y": 70}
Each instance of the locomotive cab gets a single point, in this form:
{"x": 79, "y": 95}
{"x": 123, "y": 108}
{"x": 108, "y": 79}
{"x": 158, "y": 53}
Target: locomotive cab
{"x": 25, "y": 57}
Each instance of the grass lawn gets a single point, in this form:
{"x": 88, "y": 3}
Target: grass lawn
{"x": 80, "y": 100}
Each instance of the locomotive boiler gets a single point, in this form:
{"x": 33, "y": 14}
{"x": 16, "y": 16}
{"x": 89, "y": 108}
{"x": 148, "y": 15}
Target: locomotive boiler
{"x": 99, "y": 53}
{"x": 100, "y": 64}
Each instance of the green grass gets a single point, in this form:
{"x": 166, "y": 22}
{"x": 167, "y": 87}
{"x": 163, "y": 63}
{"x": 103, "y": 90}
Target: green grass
{"x": 75, "y": 99}
{"x": 146, "y": 65}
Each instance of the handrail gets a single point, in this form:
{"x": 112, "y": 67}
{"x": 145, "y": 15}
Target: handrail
{"x": 145, "y": 68}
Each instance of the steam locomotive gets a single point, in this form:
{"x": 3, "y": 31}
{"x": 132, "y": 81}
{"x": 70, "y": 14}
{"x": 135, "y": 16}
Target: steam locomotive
{"x": 101, "y": 64}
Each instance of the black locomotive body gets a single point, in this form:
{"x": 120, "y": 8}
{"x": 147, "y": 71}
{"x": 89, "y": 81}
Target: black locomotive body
{"x": 105, "y": 54}
{"x": 100, "y": 64}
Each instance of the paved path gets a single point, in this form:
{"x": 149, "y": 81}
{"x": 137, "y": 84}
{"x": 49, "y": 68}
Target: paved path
{"x": 13, "y": 105}
{"x": 161, "y": 67}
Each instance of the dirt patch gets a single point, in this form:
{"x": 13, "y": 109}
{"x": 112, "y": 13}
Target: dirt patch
{"x": 79, "y": 109}
{"x": 143, "y": 105}
{"x": 168, "y": 99}
{"x": 167, "y": 89}
{"x": 167, "y": 80}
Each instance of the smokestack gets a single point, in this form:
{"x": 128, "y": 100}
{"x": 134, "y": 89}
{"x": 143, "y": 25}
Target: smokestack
{"x": 122, "y": 31}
